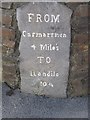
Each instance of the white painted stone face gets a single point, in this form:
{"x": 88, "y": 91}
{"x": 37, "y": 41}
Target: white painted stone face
{"x": 44, "y": 48}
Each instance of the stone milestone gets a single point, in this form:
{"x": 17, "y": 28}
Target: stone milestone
{"x": 44, "y": 48}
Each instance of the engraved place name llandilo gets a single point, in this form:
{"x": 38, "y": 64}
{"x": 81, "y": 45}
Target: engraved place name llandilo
{"x": 44, "y": 74}
{"x": 44, "y": 48}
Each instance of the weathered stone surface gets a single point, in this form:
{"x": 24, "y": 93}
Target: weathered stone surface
{"x": 9, "y": 69}
{"x": 79, "y": 87}
{"x": 41, "y": 85}
{"x": 80, "y": 24}
{"x": 9, "y": 73}
{"x": 81, "y": 39}
{"x": 78, "y": 82}
{"x": 72, "y": 5}
{"x": 82, "y": 11}
{"x": 7, "y": 33}
{"x": 6, "y": 5}
{"x": 80, "y": 18}
{"x": 0, "y": 59}
{"x": 80, "y": 50}
{"x": 7, "y": 12}
{"x": 0, "y": 65}
{"x": 10, "y": 79}
{"x": 80, "y": 71}
{"x": 0, "y": 49}
{"x": 7, "y": 51}
{"x": 6, "y": 20}
{"x": 8, "y": 43}
{"x": 7, "y": 60}
{"x": 0, "y": 74}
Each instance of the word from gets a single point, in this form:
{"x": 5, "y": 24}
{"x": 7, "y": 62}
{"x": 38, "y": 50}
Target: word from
{"x": 46, "y": 18}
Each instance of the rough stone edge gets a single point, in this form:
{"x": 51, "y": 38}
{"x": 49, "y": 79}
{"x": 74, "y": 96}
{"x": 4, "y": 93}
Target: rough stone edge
{"x": 15, "y": 54}
{"x": 73, "y": 32}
